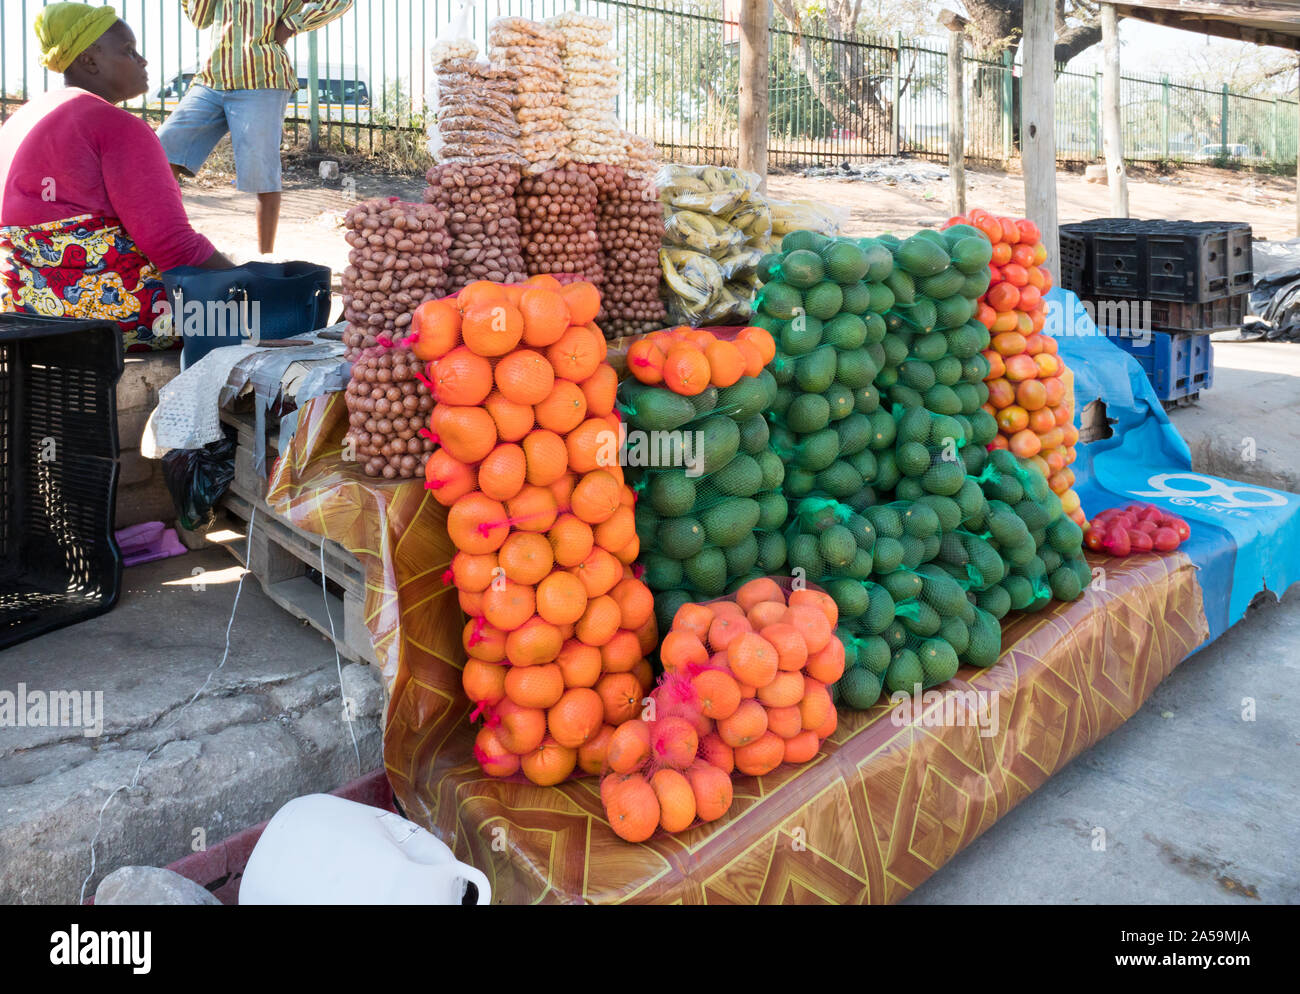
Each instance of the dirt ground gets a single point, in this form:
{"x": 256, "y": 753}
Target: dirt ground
{"x": 309, "y": 222}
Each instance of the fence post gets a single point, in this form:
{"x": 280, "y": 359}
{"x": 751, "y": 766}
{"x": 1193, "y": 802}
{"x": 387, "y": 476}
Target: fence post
{"x": 1164, "y": 116}
{"x": 1006, "y": 105}
{"x": 1223, "y": 121}
{"x": 313, "y": 94}
{"x": 754, "y": 25}
{"x": 1037, "y": 132}
{"x": 1113, "y": 123}
{"x": 956, "y": 26}
{"x": 1096, "y": 115}
{"x": 897, "y": 137}
{"x": 1273, "y": 149}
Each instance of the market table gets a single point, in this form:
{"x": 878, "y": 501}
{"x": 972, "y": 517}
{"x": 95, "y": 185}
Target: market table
{"x": 882, "y": 806}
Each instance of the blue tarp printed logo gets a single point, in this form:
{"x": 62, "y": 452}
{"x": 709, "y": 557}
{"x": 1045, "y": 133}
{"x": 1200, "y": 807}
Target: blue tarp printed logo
{"x": 1210, "y": 494}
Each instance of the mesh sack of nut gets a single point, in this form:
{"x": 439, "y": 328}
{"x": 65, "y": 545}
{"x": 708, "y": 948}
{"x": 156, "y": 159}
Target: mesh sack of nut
{"x": 475, "y": 112}
{"x": 398, "y": 260}
{"x": 629, "y": 226}
{"x": 388, "y": 413}
{"x": 478, "y": 201}
{"x": 557, "y": 215}
{"x": 532, "y": 53}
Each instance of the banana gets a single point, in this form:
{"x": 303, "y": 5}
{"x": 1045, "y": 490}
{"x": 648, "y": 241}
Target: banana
{"x": 692, "y": 277}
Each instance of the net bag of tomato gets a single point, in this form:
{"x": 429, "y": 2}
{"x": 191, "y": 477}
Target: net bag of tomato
{"x": 745, "y": 688}
{"x": 1134, "y": 528}
{"x": 526, "y": 461}
{"x": 710, "y": 506}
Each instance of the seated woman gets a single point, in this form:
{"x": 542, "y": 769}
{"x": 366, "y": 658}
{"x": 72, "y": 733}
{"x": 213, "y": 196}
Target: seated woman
{"x": 90, "y": 212}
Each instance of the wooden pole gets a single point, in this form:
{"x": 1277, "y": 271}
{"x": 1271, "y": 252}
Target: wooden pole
{"x": 1112, "y": 131}
{"x": 1297, "y": 167}
{"x": 755, "y": 18}
{"x": 1037, "y": 128}
{"x": 956, "y": 26}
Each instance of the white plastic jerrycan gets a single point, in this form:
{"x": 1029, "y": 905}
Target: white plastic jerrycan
{"x": 321, "y": 849}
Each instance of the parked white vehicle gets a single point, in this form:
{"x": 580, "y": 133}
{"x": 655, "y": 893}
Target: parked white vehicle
{"x": 343, "y": 92}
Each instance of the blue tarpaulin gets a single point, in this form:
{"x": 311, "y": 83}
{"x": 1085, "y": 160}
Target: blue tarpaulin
{"x": 1244, "y": 538}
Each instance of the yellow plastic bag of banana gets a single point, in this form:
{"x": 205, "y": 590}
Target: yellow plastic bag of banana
{"x": 699, "y": 232}
{"x": 711, "y": 189}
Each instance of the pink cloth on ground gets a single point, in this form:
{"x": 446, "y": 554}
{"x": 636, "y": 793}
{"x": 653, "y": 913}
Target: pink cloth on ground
{"x": 67, "y": 152}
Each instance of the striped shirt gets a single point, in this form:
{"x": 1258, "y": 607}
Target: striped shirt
{"x": 245, "y": 55}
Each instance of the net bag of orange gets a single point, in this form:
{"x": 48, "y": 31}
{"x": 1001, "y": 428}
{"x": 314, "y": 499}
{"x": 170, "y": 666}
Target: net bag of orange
{"x": 527, "y": 435}
{"x": 745, "y": 688}
{"x": 710, "y": 505}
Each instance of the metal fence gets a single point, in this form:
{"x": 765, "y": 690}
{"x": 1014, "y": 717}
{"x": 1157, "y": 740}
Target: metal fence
{"x": 831, "y": 100}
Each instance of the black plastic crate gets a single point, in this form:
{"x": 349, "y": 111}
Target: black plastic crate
{"x": 1213, "y": 315}
{"x": 1074, "y": 263}
{"x": 1184, "y": 261}
{"x": 59, "y": 562}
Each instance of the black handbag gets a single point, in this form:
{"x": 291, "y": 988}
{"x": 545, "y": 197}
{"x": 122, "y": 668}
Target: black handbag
{"x": 258, "y": 300}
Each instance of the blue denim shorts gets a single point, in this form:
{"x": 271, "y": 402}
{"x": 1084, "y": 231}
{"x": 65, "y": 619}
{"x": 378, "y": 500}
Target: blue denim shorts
{"x": 255, "y": 120}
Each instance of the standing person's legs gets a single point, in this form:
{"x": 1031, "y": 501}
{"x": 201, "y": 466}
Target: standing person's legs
{"x": 193, "y": 129}
{"x": 256, "y": 125}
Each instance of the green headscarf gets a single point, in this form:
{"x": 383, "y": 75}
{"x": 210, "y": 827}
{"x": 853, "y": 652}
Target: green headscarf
{"x": 65, "y": 30}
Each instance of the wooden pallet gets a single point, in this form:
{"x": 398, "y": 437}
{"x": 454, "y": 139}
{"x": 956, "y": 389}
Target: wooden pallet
{"x": 248, "y": 482}
{"x": 281, "y": 556}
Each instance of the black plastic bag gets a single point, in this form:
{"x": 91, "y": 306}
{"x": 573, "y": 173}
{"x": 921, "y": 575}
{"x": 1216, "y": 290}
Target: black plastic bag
{"x": 197, "y": 478}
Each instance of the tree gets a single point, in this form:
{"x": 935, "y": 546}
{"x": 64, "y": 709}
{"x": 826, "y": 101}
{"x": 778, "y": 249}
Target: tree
{"x": 996, "y": 26}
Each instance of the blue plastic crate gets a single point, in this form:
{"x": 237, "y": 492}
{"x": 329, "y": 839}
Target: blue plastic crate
{"x": 1179, "y": 364}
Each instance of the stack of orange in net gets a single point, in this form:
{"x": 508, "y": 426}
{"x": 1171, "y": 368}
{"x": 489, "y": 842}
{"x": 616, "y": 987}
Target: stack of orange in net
{"x": 527, "y": 463}
{"x": 690, "y": 360}
{"x": 746, "y": 687}
{"x": 1030, "y": 391}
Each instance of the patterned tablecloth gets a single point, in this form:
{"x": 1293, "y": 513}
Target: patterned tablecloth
{"x": 883, "y": 805}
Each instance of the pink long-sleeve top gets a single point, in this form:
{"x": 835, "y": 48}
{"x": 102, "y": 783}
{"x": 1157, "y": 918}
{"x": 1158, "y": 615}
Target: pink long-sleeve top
{"x": 67, "y": 152}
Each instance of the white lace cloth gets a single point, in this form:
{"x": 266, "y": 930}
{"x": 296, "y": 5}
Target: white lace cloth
{"x": 188, "y": 415}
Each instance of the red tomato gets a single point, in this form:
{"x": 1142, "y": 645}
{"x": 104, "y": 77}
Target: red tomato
{"x": 1002, "y": 297}
{"x": 1010, "y": 232}
{"x": 1150, "y": 513}
{"x": 1095, "y": 537}
{"x": 1165, "y": 540}
{"x": 1023, "y": 255}
{"x": 1148, "y": 527}
{"x": 1140, "y": 541}
{"x": 995, "y": 275}
{"x": 1179, "y": 526}
{"x": 1029, "y": 297}
{"x": 955, "y": 219}
{"x": 1028, "y": 231}
{"x": 1015, "y": 275}
{"x": 1116, "y": 542}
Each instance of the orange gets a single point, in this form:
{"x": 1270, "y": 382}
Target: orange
{"x": 513, "y": 421}
{"x": 494, "y": 758}
{"x": 521, "y": 729}
{"x": 816, "y": 705}
{"x": 484, "y": 683}
{"x": 827, "y": 729}
{"x": 545, "y": 314}
{"x": 579, "y": 664}
{"x": 727, "y": 626}
{"x": 643, "y": 671}
{"x": 563, "y": 409}
{"x": 549, "y": 764}
{"x": 532, "y": 509}
{"x": 818, "y": 599}
{"x": 525, "y": 557}
{"x": 636, "y": 604}
{"x": 591, "y": 445}
{"x": 765, "y": 613}
{"x": 599, "y": 572}
{"x": 621, "y": 694}
{"x": 561, "y": 597}
{"x": 622, "y": 653}
{"x": 562, "y": 490}
{"x": 461, "y": 377}
{"x": 717, "y": 753}
{"x": 545, "y": 457}
{"x": 762, "y": 756}
{"x": 591, "y": 754}
{"x": 596, "y": 497}
{"x": 508, "y": 605}
{"x": 600, "y": 389}
{"x": 686, "y": 370}
{"x": 1024, "y": 444}
{"x": 676, "y": 800}
{"x": 616, "y": 532}
{"x": 501, "y": 473}
{"x": 598, "y": 622}
{"x": 718, "y": 693}
{"x": 645, "y": 361}
{"x": 1012, "y": 419}
{"x": 753, "y": 659}
{"x": 759, "y": 591}
{"x": 827, "y": 663}
{"x": 482, "y": 641}
{"x": 801, "y": 748}
{"x": 575, "y": 717}
{"x": 761, "y": 339}
{"x": 535, "y": 642}
{"x": 629, "y": 747}
{"x": 576, "y": 354}
{"x": 571, "y": 540}
{"x": 473, "y": 573}
{"x": 752, "y": 354}
{"x": 712, "y": 789}
{"x": 435, "y": 329}
{"x": 524, "y": 376}
{"x": 491, "y": 329}
{"x": 448, "y": 477}
{"x": 682, "y": 650}
{"x": 481, "y": 293}
{"x": 784, "y": 689}
{"x": 674, "y": 741}
{"x": 632, "y": 806}
{"x": 534, "y": 686}
{"x": 791, "y": 650}
{"x": 583, "y": 301}
{"x": 746, "y": 724}
{"x": 812, "y": 624}
{"x": 477, "y": 524}
{"x": 1030, "y": 394}
{"x": 726, "y": 364}
{"x": 693, "y": 618}
{"x": 467, "y": 433}
{"x": 785, "y": 722}
{"x": 544, "y": 280}
{"x": 471, "y": 603}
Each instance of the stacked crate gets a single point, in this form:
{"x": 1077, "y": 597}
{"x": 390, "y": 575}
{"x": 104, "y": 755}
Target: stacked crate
{"x": 1181, "y": 280}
